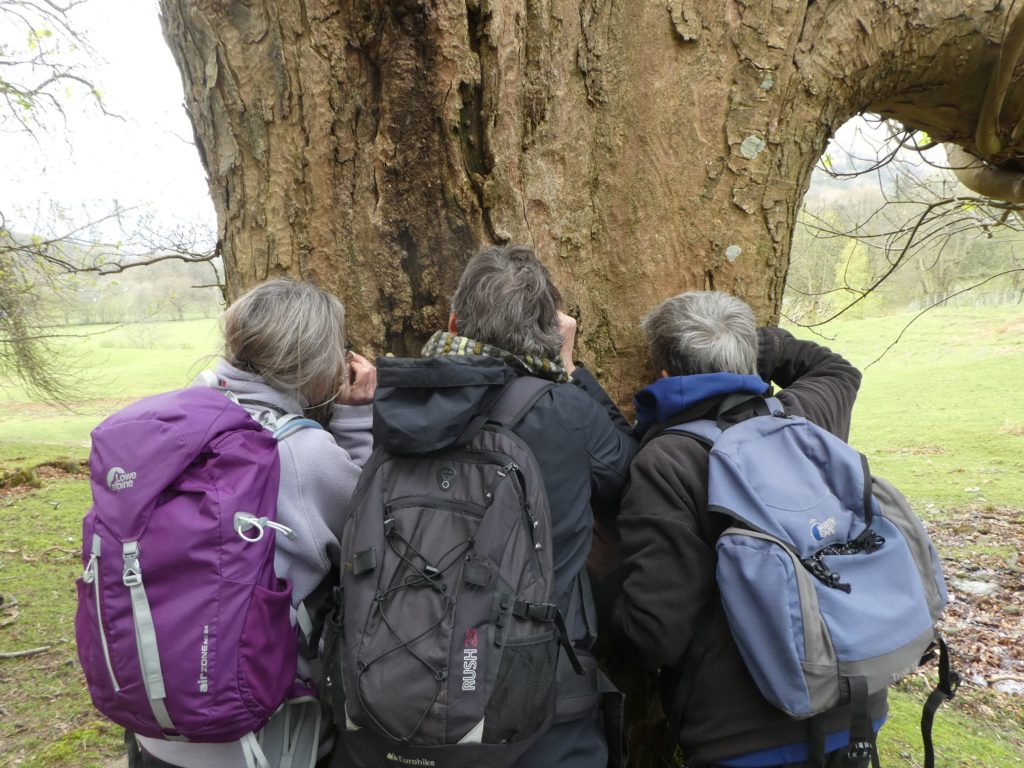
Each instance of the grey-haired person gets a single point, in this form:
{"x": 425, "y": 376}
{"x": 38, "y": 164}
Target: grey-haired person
{"x": 506, "y": 322}
{"x": 284, "y": 354}
{"x": 707, "y": 346}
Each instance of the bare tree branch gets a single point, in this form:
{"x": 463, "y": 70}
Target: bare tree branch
{"x": 914, "y": 319}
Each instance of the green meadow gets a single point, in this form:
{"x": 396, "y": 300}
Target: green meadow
{"x": 111, "y": 366}
{"x": 940, "y": 414}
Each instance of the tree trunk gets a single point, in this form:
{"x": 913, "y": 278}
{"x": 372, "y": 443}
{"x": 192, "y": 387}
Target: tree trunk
{"x": 641, "y": 147}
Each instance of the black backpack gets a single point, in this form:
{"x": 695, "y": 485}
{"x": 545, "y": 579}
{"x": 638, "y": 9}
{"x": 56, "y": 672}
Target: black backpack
{"x": 444, "y": 646}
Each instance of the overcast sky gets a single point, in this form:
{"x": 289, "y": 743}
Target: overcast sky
{"x": 143, "y": 158}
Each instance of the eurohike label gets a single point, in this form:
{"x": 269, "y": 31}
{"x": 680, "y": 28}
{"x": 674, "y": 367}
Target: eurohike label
{"x": 118, "y": 479}
{"x": 409, "y": 760}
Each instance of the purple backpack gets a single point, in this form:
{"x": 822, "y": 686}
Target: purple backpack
{"x": 183, "y": 629}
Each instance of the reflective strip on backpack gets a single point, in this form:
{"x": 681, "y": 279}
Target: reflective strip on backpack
{"x": 91, "y": 576}
{"x": 145, "y": 639}
{"x": 475, "y": 735}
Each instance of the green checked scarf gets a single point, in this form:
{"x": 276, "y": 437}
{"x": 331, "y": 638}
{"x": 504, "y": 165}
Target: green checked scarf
{"x": 446, "y": 343}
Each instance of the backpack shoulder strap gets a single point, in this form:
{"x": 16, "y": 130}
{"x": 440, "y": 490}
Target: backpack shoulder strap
{"x": 506, "y": 406}
{"x": 265, "y": 414}
{"x": 516, "y": 399}
{"x": 704, "y": 431}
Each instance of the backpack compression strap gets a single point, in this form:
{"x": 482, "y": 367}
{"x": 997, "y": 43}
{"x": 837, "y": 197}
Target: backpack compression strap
{"x": 146, "y": 642}
{"x": 513, "y": 403}
{"x": 949, "y": 681}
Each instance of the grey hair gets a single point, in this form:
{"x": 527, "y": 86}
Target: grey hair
{"x": 702, "y": 332}
{"x": 506, "y": 298}
{"x": 292, "y": 334}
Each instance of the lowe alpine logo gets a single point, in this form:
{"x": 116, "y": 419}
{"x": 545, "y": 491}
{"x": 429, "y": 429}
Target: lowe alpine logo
{"x": 469, "y": 660}
{"x": 822, "y": 530}
{"x": 204, "y": 660}
{"x": 446, "y": 478}
{"x": 118, "y": 479}
{"x": 409, "y": 760}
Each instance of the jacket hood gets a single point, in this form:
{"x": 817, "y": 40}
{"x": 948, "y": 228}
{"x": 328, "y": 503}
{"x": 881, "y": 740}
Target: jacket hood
{"x": 425, "y": 404}
{"x": 673, "y": 394}
{"x": 253, "y": 387}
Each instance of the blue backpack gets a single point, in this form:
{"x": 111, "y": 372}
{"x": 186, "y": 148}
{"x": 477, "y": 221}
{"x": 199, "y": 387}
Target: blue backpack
{"x": 829, "y": 582}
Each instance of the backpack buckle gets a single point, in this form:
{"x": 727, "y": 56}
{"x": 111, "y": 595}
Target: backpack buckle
{"x": 860, "y": 750}
{"x": 132, "y": 576}
{"x": 543, "y": 612}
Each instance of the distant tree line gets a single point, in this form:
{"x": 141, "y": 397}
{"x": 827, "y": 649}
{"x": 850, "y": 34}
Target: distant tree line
{"x": 53, "y": 295}
{"x": 908, "y": 244}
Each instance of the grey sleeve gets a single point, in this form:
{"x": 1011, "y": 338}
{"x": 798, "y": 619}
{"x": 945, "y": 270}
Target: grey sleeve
{"x": 318, "y": 477}
{"x": 352, "y": 427}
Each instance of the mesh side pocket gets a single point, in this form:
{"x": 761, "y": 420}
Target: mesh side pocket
{"x": 523, "y": 697}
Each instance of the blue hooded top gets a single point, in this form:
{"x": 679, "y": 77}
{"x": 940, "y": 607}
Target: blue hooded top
{"x": 674, "y": 394}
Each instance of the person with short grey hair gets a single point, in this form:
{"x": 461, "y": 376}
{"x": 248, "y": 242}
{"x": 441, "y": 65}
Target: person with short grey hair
{"x": 505, "y": 296}
{"x": 506, "y": 323}
{"x": 702, "y": 332}
{"x": 284, "y": 355}
{"x": 713, "y": 362}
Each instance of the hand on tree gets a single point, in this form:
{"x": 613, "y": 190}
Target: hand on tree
{"x": 567, "y": 327}
{"x": 361, "y": 383}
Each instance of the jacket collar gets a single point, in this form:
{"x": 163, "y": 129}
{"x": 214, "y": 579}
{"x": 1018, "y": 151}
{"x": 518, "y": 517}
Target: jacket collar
{"x": 672, "y": 395}
{"x": 250, "y": 386}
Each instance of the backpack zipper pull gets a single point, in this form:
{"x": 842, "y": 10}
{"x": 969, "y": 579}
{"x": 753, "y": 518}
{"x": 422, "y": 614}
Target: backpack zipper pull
{"x": 89, "y": 575}
{"x": 244, "y": 522}
{"x": 502, "y": 473}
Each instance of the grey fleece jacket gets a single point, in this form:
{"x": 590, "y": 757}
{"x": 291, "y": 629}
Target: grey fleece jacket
{"x": 319, "y": 470}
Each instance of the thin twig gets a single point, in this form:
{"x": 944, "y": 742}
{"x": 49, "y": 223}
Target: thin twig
{"x": 21, "y": 654}
{"x": 1001, "y": 678}
{"x": 933, "y": 306}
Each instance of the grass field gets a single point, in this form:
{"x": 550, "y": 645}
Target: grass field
{"x": 940, "y": 414}
{"x": 115, "y": 364}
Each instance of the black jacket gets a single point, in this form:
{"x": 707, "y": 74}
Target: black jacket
{"x": 583, "y": 447}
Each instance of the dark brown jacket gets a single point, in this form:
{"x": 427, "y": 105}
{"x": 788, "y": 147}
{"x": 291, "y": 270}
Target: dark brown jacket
{"x": 668, "y": 551}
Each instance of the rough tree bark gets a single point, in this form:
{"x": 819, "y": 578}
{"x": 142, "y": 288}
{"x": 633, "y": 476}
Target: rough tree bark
{"x": 643, "y": 147}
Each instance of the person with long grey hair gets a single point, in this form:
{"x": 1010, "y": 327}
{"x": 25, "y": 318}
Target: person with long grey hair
{"x": 713, "y": 362}
{"x": 285, "y": 356}
{"x": 507, "y": 323}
